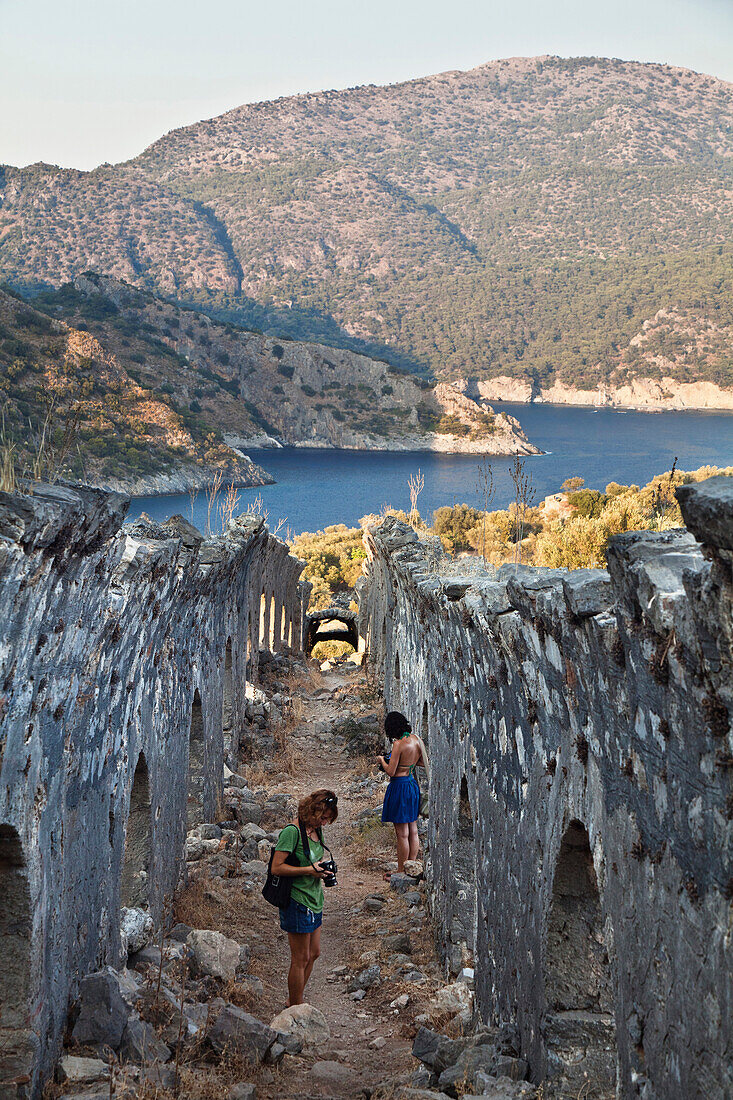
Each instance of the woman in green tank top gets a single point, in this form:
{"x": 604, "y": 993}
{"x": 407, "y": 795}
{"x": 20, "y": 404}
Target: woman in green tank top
{"x": 302, "y": 918}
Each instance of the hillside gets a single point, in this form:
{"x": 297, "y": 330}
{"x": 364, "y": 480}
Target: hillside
{"x": 71, "y": 408}
{"x": 524, "y": 220}
{"x": 157, "y": 397}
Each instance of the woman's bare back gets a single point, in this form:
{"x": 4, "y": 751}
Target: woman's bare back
{"x": 410, "y": 754}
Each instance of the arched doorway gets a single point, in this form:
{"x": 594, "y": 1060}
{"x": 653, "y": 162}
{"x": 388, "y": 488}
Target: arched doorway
{"x": 580, "y": 1034}
{"x": 196, "y": 746}
{"x": 18, "y": 1043}
{"x": 134, "y": 885}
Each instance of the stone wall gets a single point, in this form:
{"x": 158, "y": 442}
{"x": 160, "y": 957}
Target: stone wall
{"x": 115, "y": 645}
{"x": 580, "y": 803}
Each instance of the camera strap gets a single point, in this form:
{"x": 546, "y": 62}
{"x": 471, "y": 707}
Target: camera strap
{"x": 306, "y": 843}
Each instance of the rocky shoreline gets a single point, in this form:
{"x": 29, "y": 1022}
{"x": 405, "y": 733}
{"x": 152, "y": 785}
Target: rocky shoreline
{"x": 639, "y": 395}
{"x": 246, "y": 475}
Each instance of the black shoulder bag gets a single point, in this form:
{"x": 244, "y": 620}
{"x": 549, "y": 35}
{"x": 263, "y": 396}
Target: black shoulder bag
{"x": 277, "y": 887}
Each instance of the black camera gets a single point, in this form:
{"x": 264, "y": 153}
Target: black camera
{"x": 329, "y": 866}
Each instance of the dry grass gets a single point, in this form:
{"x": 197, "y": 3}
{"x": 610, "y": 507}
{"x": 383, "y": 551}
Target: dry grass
{"x": 206, "y": 904}
{"x": 372, "y": 841}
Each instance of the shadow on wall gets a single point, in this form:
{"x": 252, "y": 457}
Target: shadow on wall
{"x": 580, "y": 1034}
{"x": 134, "y": 885}
{"x": 227, "y": 716}
{"x": 463, "y": 861}
{"x": 196, "y": 758}
{"x": 18, "y": 1044}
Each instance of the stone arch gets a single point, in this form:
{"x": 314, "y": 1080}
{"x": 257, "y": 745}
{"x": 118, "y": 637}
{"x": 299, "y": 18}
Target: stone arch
{"x": 463, "y": 869}
{"x": 134, "y": 884}
{"x": 18, "y": 1044}
{"x": 196, "y": 763}
{"x": 578, "y": 980}
{"x": 332, "y": 624}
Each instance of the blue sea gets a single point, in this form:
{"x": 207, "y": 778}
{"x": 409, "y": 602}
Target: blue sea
{"x": 315, "y": 488}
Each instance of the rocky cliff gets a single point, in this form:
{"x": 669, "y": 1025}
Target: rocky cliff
{"x": 188, "y": 386}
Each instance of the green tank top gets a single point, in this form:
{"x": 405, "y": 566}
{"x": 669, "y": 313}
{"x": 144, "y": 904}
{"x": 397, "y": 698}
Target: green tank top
{"x": 306, "y": 889}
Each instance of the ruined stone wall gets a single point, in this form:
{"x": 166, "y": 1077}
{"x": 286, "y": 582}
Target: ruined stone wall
{"x": 580, "y": 801}
{"x": 113, "y": 647}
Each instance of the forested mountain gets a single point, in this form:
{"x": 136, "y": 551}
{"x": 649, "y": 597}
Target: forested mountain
{"x": 524, "y": 219}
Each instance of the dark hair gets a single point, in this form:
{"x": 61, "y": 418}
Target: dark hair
{"x": 312, "y": 808}
{"x": 395, "y": 724}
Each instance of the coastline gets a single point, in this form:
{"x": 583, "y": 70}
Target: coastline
{"x": 639, "y": 395}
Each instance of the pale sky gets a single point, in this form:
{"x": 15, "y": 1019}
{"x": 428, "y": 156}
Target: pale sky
{"x": 88, "y": 81}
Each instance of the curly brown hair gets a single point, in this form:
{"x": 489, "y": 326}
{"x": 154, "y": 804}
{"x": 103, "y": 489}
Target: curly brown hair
{"x": 316, "y": 805}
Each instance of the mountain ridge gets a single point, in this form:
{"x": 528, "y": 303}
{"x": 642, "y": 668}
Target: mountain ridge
{"x": 521, "y": 219}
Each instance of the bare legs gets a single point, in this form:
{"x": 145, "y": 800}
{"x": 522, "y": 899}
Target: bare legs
{"x": 408, "y": 845}
{"x": 305, "y": 947}
{"x": 414, "y": 840}
{"x": 403, "y": 845}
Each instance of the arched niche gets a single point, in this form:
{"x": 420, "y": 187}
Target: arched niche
{"x": 227, "y": 715}
{"x": 578, "y": 980}
{"x": 463, "y": 865}
{"x": 136, "y": 863}
{"x": 18, "y": 1043}
{"x": 196, "y": 763}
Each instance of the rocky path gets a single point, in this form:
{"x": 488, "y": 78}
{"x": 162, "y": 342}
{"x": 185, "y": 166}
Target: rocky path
{"x": 198, "y": 1013}
{"x": 368, "y": 928}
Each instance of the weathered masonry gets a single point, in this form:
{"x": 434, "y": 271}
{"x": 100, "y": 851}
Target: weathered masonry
{"x": 120, "y": 652}
{"x": 580, "y": 807}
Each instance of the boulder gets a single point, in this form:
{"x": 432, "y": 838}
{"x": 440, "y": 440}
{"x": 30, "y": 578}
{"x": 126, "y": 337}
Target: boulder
{"x": 103, "y": 1011}
{"x": 452, "y": 999}
{"x": 407, "y": 1093}
{"x": 141, "y": 1045}
{"x": 332, "y": 1075}
{"x": 502, "y": 1088}
{"x": 246, "y": 812}
{"x": 399, "y": 943}
{"x": 243, "y": 1090}
{"x": 137, "y": 927}
{"x": 213, "y": 955}
{"x": 239, "y": 1033}
{"x": 129, "y": 987}
{"x": 207, "y": 831}
{"x": 476, "y": 1063}
{"x": 402, "y": 883}
{"x": 75, "y": 1070}
{"x": 252, "y": 831}
{"x": 366, "y": 979}
{"x": 255, "y": 868}
{"x": 306, "y": 1022}
{"x": 414, "y": 868}
{"x": 180, "y": 932}
{"x": 195, "y": 848}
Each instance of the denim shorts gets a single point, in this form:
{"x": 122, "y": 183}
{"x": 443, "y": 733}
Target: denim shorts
{"x": 299, "y": 918}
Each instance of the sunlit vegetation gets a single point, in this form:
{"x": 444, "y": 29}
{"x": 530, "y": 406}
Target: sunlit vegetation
{"x": 570, "y": 530}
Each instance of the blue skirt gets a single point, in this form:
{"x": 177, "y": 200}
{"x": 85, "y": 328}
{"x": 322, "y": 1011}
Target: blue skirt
{"x": 299, "y": 918}
{"x": 401, "y": 800}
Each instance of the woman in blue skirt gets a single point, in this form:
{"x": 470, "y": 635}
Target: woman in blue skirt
{"x": 402, "y": 798}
